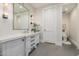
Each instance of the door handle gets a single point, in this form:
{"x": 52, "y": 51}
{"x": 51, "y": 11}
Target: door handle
{"x": 44, "y": 29}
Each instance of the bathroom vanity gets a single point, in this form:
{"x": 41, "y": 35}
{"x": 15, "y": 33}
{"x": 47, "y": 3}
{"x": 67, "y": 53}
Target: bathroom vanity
{"x": 20, "y": 44}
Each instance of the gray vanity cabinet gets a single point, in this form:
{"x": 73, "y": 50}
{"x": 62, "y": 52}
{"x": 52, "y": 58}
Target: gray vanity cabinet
{"x": 31, "y": 42}
{"x": 37, "y": 38}
{"x": 20, "y": 46}
{"x": 13, "y": 48}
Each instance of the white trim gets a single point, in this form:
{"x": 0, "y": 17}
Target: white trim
{"x": 75, "y": 43}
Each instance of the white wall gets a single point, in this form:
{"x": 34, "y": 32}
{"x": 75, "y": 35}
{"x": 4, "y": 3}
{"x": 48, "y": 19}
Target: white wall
{"x": 66, "y": 20}
{"x": 6, "y": 24}
{"x": 74, "y": 26}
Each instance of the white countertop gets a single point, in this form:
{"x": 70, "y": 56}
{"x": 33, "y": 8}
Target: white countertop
{"x": 13, "y": 36}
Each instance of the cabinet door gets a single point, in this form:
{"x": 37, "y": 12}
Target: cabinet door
{"x": 0, "y": 49}
{"x": 28, "y": 45}
{"x": 14, "y": 48}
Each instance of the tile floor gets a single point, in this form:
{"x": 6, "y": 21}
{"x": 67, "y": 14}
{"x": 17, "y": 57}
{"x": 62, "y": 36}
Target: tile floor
{"x": 45, "y": 49}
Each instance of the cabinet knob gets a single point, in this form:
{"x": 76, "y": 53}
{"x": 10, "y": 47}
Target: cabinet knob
{"x": 22, "y": 39}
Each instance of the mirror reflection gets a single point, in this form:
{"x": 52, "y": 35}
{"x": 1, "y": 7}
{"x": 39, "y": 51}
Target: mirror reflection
{"x": 21, "y": 17}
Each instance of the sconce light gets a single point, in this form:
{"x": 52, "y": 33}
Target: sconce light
{"x": 5, "y": 13}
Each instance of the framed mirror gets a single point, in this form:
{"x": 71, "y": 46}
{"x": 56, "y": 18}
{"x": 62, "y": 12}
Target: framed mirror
{"x": 20, "y": 17}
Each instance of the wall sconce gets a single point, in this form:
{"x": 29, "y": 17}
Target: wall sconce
{"x": 5, "y": 8}
{"x": 5, "y": 15}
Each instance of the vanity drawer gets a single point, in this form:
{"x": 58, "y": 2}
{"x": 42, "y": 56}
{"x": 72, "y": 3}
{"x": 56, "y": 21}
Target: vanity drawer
{"x": 32, "y": 37}
{"x": 32, "y": 40}
{"x": 33, "y": 44}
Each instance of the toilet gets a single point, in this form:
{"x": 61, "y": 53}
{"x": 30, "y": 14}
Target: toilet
{"x": 64, "y": 35}
{"x": 64, "y": 38}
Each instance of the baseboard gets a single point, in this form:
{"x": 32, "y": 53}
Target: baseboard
{"x": 56, "y": 43}
{"x": 60, "y": 44}
{"x": 49, "y": 43}
{"x": 75, "y": 43}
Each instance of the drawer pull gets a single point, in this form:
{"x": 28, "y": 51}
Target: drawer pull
{"x": 32, "y": 40}
{"x": 32, "y": 44}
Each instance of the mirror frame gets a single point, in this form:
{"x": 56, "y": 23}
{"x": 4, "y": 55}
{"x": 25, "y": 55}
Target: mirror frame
{"x": 14, "y": 20}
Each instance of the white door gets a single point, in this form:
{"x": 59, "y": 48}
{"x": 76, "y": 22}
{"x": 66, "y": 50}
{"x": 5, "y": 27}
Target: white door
{"x": 49, "y": 23}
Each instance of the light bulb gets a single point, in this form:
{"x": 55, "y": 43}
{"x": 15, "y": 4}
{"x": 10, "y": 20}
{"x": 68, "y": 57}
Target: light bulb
{"x": 6, "y": 13}
{"x": 5, "y": 4}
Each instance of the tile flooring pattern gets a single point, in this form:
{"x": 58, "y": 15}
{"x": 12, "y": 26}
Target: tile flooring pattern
{"x": 45, "y": 49}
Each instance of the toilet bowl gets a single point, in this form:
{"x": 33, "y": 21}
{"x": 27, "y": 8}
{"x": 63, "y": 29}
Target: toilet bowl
{"x": 65, "y": 41}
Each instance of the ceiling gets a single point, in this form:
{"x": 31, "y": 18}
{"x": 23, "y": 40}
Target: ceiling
{"x": 68, "y": 7}
{"x": 38, "y": 5}
{"x": 18, "y": 8}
